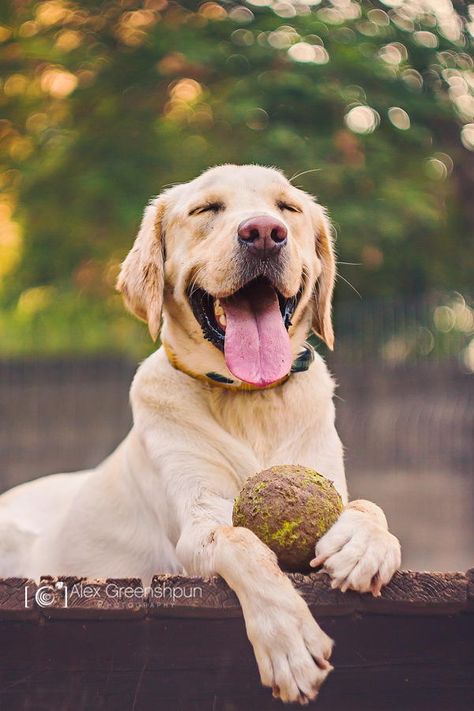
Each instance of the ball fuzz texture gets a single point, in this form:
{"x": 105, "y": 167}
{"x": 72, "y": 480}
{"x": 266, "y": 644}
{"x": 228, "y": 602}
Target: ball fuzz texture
{"x": 289, "y": 508}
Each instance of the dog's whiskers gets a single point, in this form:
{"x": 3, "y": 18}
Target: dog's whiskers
{"x": 193, "y": 286}
{"x": 351, "y": 285}
{"x": 305, "y": 274}
{"x": 304, "y": 172}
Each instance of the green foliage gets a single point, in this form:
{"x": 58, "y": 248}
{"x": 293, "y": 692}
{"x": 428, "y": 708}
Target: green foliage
{"x": 106, "y": 103}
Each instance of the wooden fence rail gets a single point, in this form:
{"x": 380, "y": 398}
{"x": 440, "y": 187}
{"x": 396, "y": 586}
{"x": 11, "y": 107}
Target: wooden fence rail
{"x": 113, "y": 645}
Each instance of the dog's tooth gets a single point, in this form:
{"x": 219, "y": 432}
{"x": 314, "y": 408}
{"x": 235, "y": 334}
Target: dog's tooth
{"x": 219, "y": 313}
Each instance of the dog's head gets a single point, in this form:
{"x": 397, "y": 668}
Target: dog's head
{"x": 241, "y": 258}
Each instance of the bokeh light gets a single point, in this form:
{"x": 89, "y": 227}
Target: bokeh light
{"x": 399, "y": 118}
{"x": 362, "y": 119}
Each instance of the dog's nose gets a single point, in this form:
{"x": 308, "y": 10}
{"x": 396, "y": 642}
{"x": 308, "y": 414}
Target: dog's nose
{"x": 262, "y": 236}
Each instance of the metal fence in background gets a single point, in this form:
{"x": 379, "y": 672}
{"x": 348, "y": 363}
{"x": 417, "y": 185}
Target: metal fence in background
{"x": 405, "y": 412}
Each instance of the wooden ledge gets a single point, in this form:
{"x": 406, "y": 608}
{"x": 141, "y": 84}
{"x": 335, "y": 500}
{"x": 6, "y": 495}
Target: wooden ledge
{"x": 77, "y": 644}
{"x": 412, "y": 593}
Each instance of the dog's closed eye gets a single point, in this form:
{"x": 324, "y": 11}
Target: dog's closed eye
{"x": 282, "y": 205}
{"x": 207, "y": 207}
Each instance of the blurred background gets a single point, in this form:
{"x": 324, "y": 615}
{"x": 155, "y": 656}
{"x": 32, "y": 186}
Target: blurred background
{"x": 368, "y": 105}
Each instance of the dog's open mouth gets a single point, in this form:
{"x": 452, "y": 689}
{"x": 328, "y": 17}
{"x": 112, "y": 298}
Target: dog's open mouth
{"x": 251, "y": 328}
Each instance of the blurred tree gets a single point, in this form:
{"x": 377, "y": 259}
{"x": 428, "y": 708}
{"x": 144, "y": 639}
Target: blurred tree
{"x": 370, "y": 105}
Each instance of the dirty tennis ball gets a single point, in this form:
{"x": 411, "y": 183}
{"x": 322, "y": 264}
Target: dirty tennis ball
{"x": 289, "y": 508}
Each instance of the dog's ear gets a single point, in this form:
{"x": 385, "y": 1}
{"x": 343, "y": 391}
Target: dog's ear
{"x": 323, "y": 290}
{"x": 141, "y": 278}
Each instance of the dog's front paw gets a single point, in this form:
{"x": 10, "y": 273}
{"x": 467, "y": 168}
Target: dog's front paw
{"x": 358, "y": 553}
{"x": 291, "y": 650}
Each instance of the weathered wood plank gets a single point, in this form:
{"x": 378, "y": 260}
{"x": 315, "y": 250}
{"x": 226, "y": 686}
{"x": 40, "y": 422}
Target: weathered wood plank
{"x": 420, "y": 593}
{"x": 180, "y": 596}
{"x": 17, "y": 599}
{"x": 408, "y": 592}
{"x": 470, "y": 589}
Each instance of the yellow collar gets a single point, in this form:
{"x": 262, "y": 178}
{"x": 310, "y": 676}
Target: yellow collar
{"x": 301, "y": 363}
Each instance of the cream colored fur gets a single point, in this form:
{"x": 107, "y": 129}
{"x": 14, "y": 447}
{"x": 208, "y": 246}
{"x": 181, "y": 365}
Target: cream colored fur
{"x": 163, "y": 500}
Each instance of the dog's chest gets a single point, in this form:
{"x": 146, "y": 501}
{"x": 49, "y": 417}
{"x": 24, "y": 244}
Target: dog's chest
{"x": 271, "y": 424}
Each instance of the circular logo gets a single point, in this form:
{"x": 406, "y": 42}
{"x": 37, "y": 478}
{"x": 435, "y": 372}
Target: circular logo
{"x": 44, "y": 596}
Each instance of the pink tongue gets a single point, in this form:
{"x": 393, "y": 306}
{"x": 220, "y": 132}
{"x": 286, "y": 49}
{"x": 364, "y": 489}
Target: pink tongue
{"x": 257, "y": 347}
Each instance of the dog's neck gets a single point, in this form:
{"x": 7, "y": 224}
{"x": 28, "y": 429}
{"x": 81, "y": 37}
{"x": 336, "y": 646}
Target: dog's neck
{"x": 199, "y": 359}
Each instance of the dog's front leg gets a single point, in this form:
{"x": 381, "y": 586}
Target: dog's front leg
{"x": 359, "y": 552}
{"x": 292, "y": 651}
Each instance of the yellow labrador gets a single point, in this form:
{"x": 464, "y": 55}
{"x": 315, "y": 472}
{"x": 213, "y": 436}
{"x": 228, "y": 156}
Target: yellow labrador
{"x": 240, "y": 265}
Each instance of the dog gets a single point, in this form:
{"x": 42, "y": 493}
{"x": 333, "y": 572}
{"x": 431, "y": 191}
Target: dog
{"x": 233, "y": 269}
